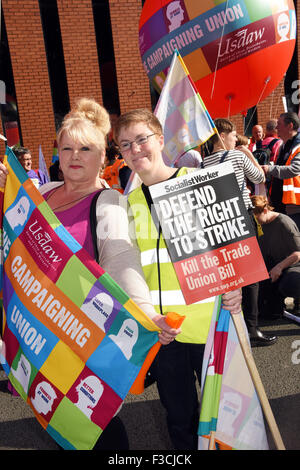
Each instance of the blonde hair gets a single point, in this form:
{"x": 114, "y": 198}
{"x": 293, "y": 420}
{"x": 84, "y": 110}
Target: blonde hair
{"x": 260, "y": 203}
{"x": 136, "y": 116}
{"x": 87, "y": 122}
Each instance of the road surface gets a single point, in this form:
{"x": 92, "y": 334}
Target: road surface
{"x": 144, "y": 417}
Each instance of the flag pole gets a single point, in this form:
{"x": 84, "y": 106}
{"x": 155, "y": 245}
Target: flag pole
{"x": 212, "y": 439}
{"x": 237, "y": 320}
{"x": 223, "y": 145}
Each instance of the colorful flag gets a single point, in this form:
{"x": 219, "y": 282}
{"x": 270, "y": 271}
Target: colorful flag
{"x": 185, "y": 120}
{"x": 230, "y": 409}
{"x": 55, "y": 156}
{"x": 134, "y": 181}
{"x": 42, "y": 164}
{"x": 73, "y": 340}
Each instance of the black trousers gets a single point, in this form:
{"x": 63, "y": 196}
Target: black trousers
{"x": 178, "y": 365}
{"x": 272, "y": 294}
{"x": 114, "y": 437}
{"x": 250, "y": 295}
{"x": 250, "y": 306}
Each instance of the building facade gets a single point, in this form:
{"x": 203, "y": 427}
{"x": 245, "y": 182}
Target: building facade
{"x": 54, "y": 51}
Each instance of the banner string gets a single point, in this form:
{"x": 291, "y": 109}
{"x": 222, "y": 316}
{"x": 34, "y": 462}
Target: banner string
{"x": 263, "y": 90}
{"x": 219, "y": 49}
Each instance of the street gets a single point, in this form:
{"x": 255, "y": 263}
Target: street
{"x": 144, "y": 417}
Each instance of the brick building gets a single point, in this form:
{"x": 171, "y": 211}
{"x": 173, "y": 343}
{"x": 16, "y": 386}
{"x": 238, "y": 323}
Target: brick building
{"x": 53, "y": 51}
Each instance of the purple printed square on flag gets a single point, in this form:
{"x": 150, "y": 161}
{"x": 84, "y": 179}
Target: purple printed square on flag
{"x": 101, "y": 307}
{"x": 9, "y": 290}
{"x": 151, "y": 31}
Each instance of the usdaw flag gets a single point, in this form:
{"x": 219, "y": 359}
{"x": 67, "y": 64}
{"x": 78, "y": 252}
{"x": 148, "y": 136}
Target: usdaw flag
{"x": 185, "y": 120}
{"x": 73, "y": 341}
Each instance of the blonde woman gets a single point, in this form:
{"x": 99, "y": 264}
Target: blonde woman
{"x": 81, "y": 146}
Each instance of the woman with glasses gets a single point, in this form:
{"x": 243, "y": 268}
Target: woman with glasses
{"x": 140, "y": 138}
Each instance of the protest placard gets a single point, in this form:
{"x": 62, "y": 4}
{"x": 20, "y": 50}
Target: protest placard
{"x": 208, "y": 232}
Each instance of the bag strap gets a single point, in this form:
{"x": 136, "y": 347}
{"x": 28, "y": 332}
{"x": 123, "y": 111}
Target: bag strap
{"x": 224, "y": 156}
{"x": 222, "y": 160}
{"x": 93, "y": 223}
{"x": 156, "y": 222}
{"x": 272, "y": 143}
{"x": 150, "y": 204}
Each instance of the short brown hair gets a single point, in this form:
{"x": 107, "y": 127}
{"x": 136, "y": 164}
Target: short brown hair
{"x": 135, "y": 116}
{"x": 260, "y": 203}
{"x": 222, "y": 125}
{"x": 242, "y": 140}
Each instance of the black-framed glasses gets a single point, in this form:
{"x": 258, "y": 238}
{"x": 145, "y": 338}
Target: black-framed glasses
{"x": 125, "y": 146}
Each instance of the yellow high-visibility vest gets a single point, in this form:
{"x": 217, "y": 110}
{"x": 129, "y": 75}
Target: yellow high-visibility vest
{"x": 198, "y": 316}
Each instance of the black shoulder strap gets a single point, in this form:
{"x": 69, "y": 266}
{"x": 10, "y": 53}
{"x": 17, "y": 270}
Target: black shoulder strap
{"x": 155, "y": 219}
{"x": 149, "y": 200}
{"x": 156, "y": 222}
{"x": 272, "y": 143}
{"x": 224, "y": 156}
{"x": 93, "y": 223}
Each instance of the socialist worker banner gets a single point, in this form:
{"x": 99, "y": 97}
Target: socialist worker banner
{"x": 73, "y": 341}
{"x": 208, "y": 232}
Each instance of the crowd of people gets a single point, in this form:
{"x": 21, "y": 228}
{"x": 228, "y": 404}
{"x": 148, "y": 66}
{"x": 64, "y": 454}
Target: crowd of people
{"x": 276, "y": 208}
{"x": 96, "y": 161}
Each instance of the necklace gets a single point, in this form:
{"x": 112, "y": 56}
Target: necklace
{"x": 67, "y": 203}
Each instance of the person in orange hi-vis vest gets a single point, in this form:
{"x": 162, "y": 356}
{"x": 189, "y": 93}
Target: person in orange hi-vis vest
{"x": 285, "y": 174}
{"x": 116, "y": 172}
{"x": 285, "y": 182}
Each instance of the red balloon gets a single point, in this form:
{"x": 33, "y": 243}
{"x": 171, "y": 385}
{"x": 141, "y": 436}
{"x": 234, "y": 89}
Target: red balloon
{"x": 236, "y": 52}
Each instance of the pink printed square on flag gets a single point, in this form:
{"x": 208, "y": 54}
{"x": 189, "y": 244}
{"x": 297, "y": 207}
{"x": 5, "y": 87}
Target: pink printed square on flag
{"x": 234, "y": 408}
{"x": 90, "y": 263}
{"x": 44, "y": 397}
{"x": 94, "y": 398}
{"x": 175, "y": 121}
{"x": 9, "y": 353}
{"x": 45, "y": 246}
{"x": 182, "y": 91}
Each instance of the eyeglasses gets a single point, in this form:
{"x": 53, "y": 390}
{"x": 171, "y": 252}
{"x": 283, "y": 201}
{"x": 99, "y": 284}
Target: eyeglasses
{"x": 139, "y": 141}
